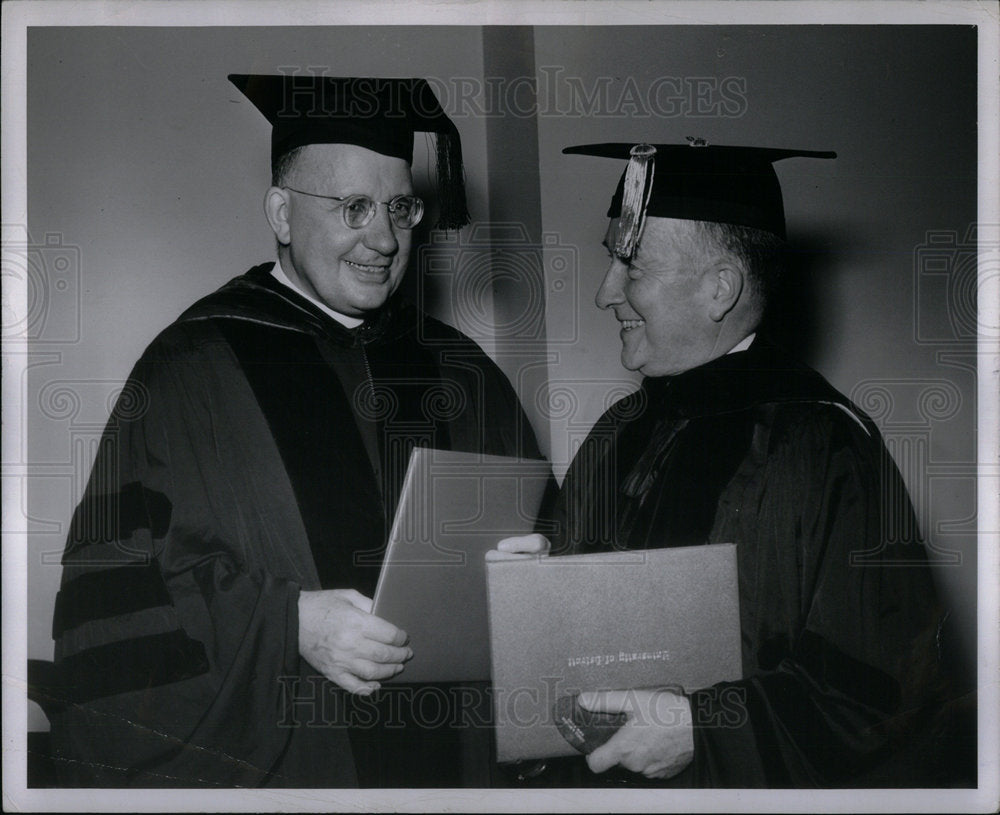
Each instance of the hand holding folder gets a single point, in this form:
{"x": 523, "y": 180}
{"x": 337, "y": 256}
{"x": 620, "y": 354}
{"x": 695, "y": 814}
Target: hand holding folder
{"x": 657, "y": 738}
{"x": 651, "y": 735}
{"x": 615, "y": 622}
{"x": 453, "y": 508}
{"x": 343, "y": 640}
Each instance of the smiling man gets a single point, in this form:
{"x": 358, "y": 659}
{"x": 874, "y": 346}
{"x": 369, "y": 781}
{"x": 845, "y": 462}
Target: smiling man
{"x": 730, "y": 440}
{"x": 213, "y": 627}
{"x": 676, "y": 271}
{"x": 355, "y": 265}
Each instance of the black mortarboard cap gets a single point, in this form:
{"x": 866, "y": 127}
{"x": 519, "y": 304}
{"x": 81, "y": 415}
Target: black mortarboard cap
{"x": 698, "y": 182}
{"x": 378, "y": 114}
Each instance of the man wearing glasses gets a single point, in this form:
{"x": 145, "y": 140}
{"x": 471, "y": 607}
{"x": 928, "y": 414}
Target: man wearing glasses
{"x": 213, "y": 627}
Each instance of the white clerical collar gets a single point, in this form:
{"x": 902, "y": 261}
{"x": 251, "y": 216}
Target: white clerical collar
{"x": 743, "y": 345}
{"x": 348, "y": 322}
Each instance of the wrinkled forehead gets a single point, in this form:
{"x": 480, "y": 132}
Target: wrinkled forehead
{"x": 661, "y": 236}
{"x": 348, "y": 169}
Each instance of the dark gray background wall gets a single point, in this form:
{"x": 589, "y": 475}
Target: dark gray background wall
{"x": 146, "y": 172}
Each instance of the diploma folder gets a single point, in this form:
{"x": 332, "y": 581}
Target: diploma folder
{"x": 610, "y": 621}
{"x": 454, "y": 507}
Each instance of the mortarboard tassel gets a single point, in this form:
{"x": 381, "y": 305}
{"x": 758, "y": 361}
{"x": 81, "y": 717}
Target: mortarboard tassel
{"x": 635, "y": 196}
{"x": 451, "y": 182}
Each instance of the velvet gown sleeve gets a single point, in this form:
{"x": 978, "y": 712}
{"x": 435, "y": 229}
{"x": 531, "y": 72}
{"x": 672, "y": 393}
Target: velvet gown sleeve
{"x": 178, "y": 607}
{"x": 838, "y": 613}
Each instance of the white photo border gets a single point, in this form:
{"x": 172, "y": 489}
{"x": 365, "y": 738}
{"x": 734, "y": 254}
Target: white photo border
{"x": 19, "y": 16}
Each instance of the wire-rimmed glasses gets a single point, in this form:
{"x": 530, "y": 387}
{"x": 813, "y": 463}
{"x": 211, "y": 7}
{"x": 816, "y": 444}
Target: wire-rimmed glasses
{"x": 358, "y": 210}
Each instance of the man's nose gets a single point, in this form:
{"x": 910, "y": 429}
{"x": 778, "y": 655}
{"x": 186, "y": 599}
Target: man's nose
{"x": 612, "y": 289}
{"x": 380, "y": 233}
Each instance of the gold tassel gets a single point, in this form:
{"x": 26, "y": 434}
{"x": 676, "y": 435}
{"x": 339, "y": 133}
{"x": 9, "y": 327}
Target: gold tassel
{"x": 635, "y": 196}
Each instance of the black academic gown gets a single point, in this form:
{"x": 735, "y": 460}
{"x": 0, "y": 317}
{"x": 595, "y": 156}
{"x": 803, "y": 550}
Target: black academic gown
{"x": 837, "y": 607}
{"x": 257, "y": 450}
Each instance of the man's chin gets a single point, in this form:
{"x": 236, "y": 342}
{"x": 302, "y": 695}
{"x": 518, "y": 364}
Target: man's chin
{"x": 366, "y": 301}
{"x": 628, "y": 363}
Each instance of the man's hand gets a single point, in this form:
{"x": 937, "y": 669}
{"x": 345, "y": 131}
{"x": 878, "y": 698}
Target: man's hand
{"x": 520, "y": 547}
{"x": 339, "y": 637}
{"x": 657, "y": 740}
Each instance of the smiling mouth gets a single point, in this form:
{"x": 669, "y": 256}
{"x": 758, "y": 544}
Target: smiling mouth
{"x": 369, "y": 269}
{"x": 630, "y": 325}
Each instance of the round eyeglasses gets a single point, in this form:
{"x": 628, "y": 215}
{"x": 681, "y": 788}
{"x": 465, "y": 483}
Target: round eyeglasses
{"x": 358, "y": 210}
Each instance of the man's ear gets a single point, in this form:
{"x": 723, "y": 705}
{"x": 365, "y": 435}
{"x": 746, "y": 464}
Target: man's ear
{"x": 728, "y": 281}
{"x": 276, "y": 209}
